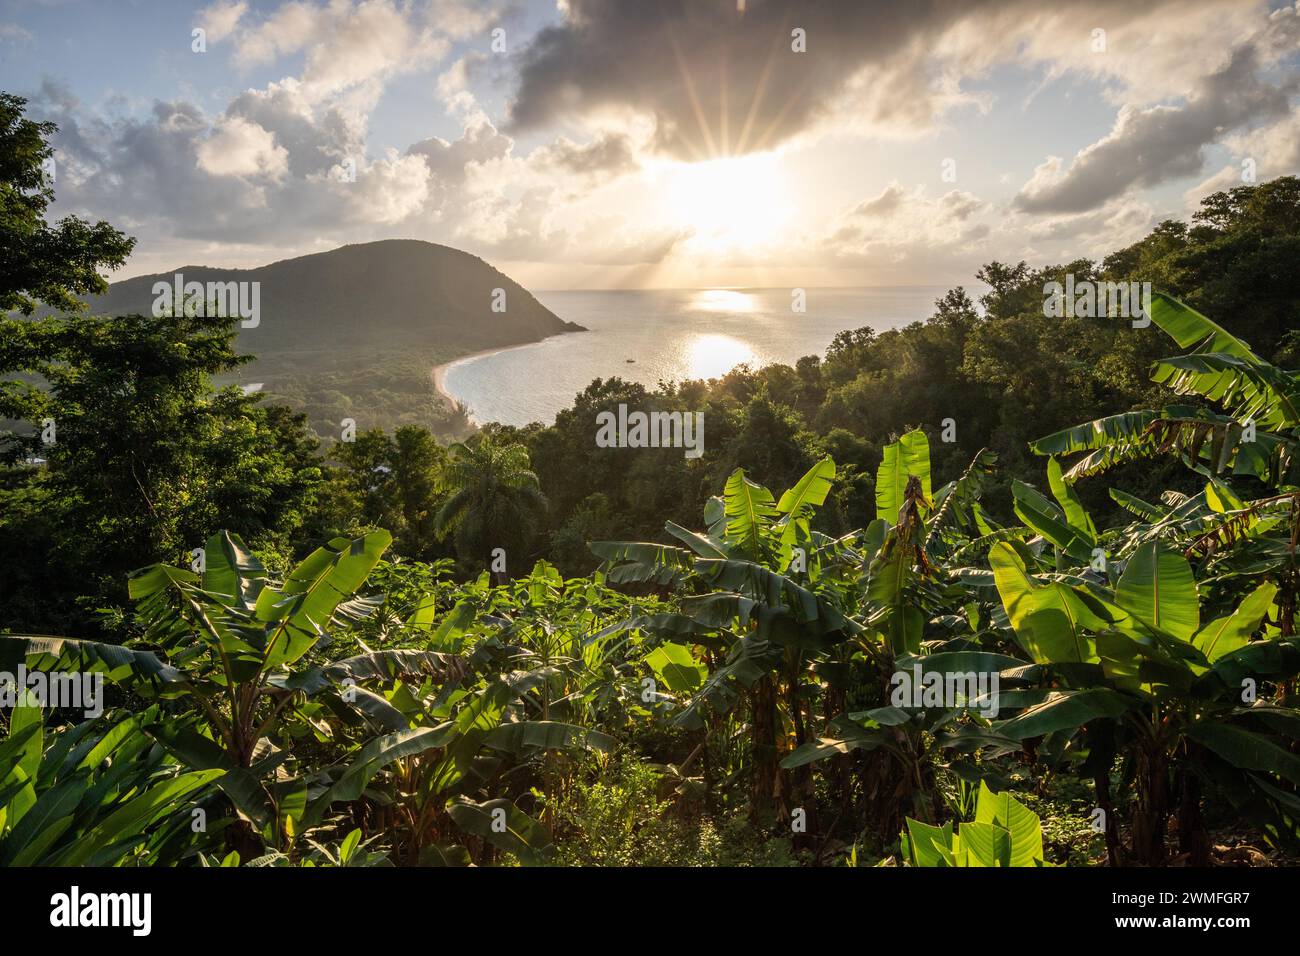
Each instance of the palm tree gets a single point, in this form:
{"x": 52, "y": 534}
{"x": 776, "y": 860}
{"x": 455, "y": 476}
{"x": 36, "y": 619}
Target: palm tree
{"x": 495, "y": 499}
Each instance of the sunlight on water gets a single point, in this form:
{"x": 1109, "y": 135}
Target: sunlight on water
{"x": 722, "y": 300}
{"x": 668, "y": 335}
{"x": 709, "y": 356}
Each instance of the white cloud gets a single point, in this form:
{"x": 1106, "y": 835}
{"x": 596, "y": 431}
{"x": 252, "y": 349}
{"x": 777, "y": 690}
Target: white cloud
{"x": 289, "y": 29}
{"x": 220, "y": 19}
{"x": 237, "y": 147}
{"x": 13, "y": 33}
{"x": 355, "y": 44}
{"x": 389, "y": 190}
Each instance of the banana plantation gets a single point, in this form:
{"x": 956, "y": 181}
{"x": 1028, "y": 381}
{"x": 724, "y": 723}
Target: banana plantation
{"x": 936, "y": 689}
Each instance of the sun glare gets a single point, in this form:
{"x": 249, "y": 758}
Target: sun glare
{"x": 734, "y": 202}
{"x": 722, "y": 300}
{"x": 709, "y": 356}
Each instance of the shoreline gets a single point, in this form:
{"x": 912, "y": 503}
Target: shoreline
{"x": 439, "y": 372}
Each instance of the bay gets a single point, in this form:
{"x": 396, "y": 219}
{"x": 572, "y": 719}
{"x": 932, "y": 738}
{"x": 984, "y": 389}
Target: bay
{"x": 669, "y": 336}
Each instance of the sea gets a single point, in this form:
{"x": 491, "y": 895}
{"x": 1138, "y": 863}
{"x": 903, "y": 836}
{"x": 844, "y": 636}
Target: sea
{"x": 669, "y": 335}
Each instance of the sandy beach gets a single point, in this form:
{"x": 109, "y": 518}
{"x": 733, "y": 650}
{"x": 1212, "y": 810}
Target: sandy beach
{"x": 439, "y": 372}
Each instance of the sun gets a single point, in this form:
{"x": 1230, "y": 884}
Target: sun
{"x": 735, "y": 202}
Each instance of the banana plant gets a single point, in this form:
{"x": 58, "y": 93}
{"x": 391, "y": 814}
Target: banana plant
{"x": 95, "y": 795}
{"x": 566, "y": 629}
{"x": 1256, "y": 435}
{"x": 793, "y": 627}
{"x": 1004, "y": 833}
{"x": 1122, "y": 636}
{"x": 765, "y": 600}
{"x": 456, "y": 770}
{"x": 1136, "y": 669}
{"x": 230, "y": 640}
{"x": 912, "y": 592}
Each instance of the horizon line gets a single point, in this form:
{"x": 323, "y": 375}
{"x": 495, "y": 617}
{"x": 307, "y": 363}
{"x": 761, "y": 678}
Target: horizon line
{"x": 751, "y": 288}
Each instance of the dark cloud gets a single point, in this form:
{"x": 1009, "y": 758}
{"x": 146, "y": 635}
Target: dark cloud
{"x": 609, "y": 154}
{"x": 718, "y": 81}
{"x": 1149, "y": 146}
{"x": 135, "y": 170}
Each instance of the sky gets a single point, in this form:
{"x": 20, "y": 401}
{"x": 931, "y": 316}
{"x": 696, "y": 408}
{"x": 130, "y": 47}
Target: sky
{"x": 656, "y": 144}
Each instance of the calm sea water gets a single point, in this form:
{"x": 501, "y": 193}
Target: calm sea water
{"x": 670, "y": 335}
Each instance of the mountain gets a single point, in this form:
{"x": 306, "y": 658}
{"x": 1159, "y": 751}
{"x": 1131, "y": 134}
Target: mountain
{"x": 372, "y": 295}
{"x": 353, "y": 333}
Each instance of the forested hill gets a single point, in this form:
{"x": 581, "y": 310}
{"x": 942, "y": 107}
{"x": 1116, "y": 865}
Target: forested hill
{"x": 372, "y": 295}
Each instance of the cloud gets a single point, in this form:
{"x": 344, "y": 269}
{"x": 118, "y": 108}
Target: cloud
{"x": 289, "y": 29}
{"x": 367, "y": 43}
{"x": 960, "y": 206}
{"x": 454, "y": 90}
{"x": 930, "y": 239}
{"x": 237, "y": 147}
{"x": 886, "y": 204}
{"x": 1113, "y": 225}
{"x": 896, "y": 220}
{"x": 316, "y": 136}
{"x": 347, "y": 45}
{"x": 715, "y": 80}
{"x": 609, "y": 154}
{"x": 593, "y": 97}
{"x": 1149, "y": 146}
{"x": 1262, "y": 153}
{"x": 392, "y": 189}
{"x": 450, "y": 164}
{"x": 275, "y": 170}
{"x": 220, "y": 19}
{"x": 719, "y": 78}
{"x": 13, "y": 33}
{"x": 479, "y": 143}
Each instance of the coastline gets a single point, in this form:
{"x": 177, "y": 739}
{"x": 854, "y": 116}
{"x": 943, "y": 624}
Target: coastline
{"x": 439, "y": 372}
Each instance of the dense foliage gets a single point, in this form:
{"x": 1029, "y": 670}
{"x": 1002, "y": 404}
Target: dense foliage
{"x": 526, "y": 649}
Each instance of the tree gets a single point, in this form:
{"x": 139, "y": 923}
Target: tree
{"x": 496, "y": 500}
{"x": 143, "y": 458}
{"x": 130, "y": 454}
{"x": 395, "y": 481}
{"x": 40, "y": 262}
{"x": 1235, "y": 262}
{"x": 769, "y": 442}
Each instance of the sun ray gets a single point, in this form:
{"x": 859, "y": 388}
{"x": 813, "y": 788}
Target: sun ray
{"x": 696, "y": 106}
{"x": 760, "y": 88}
{"x": 723, "y": 119}
{"x": 794, "y": 97}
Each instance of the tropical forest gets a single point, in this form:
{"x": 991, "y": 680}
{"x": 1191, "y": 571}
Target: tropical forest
{"x": 992, "y": 589}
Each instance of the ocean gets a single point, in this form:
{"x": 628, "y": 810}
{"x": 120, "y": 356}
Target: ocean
{"x": 668, "y": 335}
